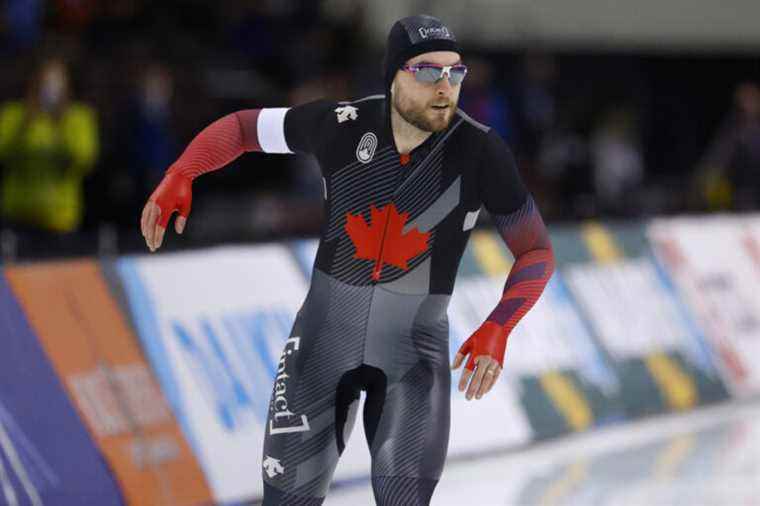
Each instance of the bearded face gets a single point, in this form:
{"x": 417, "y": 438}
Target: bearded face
{"x": 429, "y": 107}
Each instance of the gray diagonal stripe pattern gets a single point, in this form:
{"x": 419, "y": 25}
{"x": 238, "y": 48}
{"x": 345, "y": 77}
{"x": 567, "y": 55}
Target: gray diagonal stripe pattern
{"x": 409, "y": 406}
{"x": 351, "y": 185}
{"x": 349, "y": 269}
{"x": 401, "y": 490}
{"x": 316, "y": 487}
{"x": 342, "y": 329}
{"x": 436, "y": 147}
{"x": 438, "y": 210}
{"x": 335, "y": 345}
{"x": 415, "y": 198}
{"x": 412, "y": 191}
{"x": 280, "y": 497}
{"x": 323, "y": 455}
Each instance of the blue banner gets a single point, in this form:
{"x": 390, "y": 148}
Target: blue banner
{"x": 46, "y": 454}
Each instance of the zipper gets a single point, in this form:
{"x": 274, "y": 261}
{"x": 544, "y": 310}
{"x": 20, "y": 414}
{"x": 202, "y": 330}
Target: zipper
{"x": 434, "y": 148}
{"x": 377, "y": 271}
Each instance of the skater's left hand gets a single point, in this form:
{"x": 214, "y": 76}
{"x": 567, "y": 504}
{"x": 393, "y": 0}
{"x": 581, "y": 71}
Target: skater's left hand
{"x": 486, "y": 351}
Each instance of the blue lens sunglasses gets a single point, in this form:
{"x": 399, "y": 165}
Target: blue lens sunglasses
{"x": 430, "y": 73}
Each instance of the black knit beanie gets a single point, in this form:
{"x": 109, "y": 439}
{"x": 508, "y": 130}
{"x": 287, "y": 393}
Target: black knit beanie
{"x": 412, "y": 36}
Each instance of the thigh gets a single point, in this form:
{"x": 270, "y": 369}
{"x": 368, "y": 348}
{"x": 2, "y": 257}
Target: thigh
{"x": 310, "y": 417}
{"x": 408, "y": 431}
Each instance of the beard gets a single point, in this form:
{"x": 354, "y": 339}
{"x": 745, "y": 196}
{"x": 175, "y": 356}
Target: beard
{"x": 425, "y": 116}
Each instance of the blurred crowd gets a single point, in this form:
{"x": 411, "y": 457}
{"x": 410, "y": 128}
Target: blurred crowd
{"x": 98, "y": 98}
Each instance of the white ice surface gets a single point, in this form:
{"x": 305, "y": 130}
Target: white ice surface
{"x": 710, "y": 456}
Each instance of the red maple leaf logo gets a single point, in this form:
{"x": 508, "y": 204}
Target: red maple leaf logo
{"x": 383, "y": 240}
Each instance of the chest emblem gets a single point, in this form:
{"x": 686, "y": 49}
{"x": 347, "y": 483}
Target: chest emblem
{"x": 383, "y": 240}
{"x": 365, "y": 150}
{"x": 347, "y": 112}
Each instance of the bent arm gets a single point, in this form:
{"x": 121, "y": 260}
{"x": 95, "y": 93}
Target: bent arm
{"x": 519, "y": 223}
{"x": 227, "y": 138}
{"x": 269, "y": 130}
{"x": 526, "y": 236}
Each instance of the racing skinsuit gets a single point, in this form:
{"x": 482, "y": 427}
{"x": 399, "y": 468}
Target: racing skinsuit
{"x": 374, "y": 319}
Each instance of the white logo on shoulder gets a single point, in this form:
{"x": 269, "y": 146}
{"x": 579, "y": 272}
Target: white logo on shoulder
{"x": 347, "y": 112}
{"x": 272, "y": 467}
{"x": 366, "y": 148}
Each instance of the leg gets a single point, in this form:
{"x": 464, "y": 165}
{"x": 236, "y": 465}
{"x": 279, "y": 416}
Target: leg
{"x": 309, "y": 421}
{"x": 407, "y": 427}
{"x": 314, "y": 400}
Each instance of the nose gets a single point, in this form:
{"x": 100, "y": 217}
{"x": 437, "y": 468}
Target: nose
{"x": 443, "y": 87}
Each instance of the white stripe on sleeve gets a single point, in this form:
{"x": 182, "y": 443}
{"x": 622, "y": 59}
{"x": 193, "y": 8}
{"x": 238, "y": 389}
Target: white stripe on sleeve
{"x": 270, "y": 128}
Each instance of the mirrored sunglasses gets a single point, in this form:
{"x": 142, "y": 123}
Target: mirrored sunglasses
{"x": 430, "y": 73}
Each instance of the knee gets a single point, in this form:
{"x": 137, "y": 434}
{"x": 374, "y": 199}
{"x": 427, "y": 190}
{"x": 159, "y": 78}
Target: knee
{"x": 402, "y": 490}
{"x": 276, "y": 497}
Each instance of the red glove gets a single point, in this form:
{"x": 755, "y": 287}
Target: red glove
{"x": 173, "y": 194}
{"x": 486, "y": 350}
{"x": 490, "y": 339}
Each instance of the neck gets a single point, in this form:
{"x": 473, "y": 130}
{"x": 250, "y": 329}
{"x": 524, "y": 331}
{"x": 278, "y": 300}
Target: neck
{"x": 406, "y": 136}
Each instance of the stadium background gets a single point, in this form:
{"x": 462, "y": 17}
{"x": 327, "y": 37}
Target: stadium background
{"x": 636, "y": 126}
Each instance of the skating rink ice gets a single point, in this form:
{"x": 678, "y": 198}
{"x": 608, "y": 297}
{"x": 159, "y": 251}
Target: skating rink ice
{"x": 710, "y": 456}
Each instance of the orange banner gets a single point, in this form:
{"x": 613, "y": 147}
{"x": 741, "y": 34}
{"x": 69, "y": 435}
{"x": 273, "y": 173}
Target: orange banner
{"x": 96, "y": 353}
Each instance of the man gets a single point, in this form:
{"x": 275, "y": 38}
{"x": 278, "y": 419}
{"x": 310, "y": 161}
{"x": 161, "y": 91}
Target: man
{"x": 405, "y": 175}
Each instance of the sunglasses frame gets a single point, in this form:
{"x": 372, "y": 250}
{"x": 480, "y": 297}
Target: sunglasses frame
{"x": 445, "y": 71}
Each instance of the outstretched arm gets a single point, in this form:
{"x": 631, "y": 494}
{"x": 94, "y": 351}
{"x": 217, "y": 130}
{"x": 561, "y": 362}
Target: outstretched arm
{"x": 216, "y": 146}
{"x": 300, "y": 129}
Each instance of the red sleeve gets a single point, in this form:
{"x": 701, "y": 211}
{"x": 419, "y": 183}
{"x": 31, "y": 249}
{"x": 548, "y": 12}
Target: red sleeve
{"x": 219, "y": 143}
{"x": 527, "y": 238}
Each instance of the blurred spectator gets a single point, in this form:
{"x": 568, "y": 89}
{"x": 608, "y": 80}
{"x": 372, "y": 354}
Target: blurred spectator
{"x": 485, "y": 101}
{"x": 618, "y": 163}
{"x": 152, "y": 143}
{"x": 538, "y": 108}
{"x": 535, "y": 115}
{"x": 222, "y": 56}
{"x": 729, "y": 173}
{"x": 140, "y": 147}
{"x": 48, "y": 143}
{"x": 565, "y": 176}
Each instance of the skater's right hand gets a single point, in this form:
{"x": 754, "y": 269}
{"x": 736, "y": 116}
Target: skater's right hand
{"x": 173, "y": 194}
